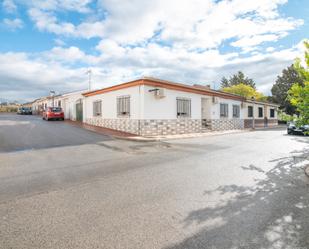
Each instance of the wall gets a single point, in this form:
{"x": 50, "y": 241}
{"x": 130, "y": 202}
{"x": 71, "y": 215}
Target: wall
{"x": 109, "y": 117}
{"x": 68, "y": 103}
{"x": 158, "y": 116}
{"x": 165, "y": 108}
{"x": 109, "y": 103}
{"x": 260, "y": 121}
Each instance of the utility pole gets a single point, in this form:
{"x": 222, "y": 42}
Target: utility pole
{"x": 89, "y": 72}
{"x": 52, "y": 93}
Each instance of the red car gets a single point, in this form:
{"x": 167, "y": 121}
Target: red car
{"x": 53, "y": 113}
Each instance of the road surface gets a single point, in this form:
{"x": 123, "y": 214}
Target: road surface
{"x": 65, "y": 187}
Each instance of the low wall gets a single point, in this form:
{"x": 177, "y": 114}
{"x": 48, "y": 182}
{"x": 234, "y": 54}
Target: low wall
{"x": 170, "y": 126}
{"x": 123, "y": 124}
{"x": 227, "y": 124}
{"x": 260, "y": 123}
{"x": 149, "y": 127}
{"x": 155, "y": 127}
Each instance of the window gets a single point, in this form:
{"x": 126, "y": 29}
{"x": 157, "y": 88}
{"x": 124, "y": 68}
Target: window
{"x": 97, "y": 108}
{"x": 272, "y": 113}
{"x": 123, "y": 106}
{"x": 59, "y": 103}
{"x": 260, "y": 112}
{"x": 183, "y": 107}
{"x": 250, "y": 111}
{"x": 224, "y": 110}
{"x": 236, "y": 111}
{"x": 55, "y": 109}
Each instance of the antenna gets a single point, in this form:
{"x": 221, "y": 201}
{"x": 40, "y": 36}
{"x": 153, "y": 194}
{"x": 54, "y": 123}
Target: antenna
{"x": 89, "y": 72}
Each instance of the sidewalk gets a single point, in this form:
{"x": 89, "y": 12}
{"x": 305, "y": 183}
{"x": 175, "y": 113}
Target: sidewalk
{"x": 183, "y": 136}
{"x": 100, "y": 130}
{"x": 133, "y": 137}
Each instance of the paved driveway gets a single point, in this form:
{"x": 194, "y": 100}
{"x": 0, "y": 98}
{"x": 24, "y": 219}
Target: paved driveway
{"x": 244, "y": 190}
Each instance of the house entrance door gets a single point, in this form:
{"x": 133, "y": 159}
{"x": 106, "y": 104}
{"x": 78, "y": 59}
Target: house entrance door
{"x": 205, "y": 112}
{"x": 79, "y": 110}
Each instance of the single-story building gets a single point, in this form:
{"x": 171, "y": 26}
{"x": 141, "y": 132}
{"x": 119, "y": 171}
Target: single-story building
{"x": 71, "y": 103}
{"x": 150, "y": 106}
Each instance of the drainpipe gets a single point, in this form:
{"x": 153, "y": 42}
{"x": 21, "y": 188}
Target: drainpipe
{"x": 139, "y": 110}
{"x": 253, "y": 120}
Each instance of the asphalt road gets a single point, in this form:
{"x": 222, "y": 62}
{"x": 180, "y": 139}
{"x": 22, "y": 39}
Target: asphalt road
{"x": 65, "y": 187}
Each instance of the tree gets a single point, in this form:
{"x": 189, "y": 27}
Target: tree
{"x": 236, "y": 79}
{"x": 224, "y": 82}
{"x": 283, "y": 84}
{"x": 245, "y": 91}
{"x": 299, "y": 94}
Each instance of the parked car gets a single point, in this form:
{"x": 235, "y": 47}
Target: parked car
{"x": 53, "y": 113}
{"x": 24, "y": 111}
{"x": 293, "y": 129}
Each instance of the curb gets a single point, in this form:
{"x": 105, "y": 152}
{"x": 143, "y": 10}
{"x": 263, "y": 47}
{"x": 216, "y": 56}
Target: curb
{"x": 153, "y": 139}
{"x": 135, "y": 139}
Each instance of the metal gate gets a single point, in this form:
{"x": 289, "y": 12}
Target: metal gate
{"x": 79, "y": 110}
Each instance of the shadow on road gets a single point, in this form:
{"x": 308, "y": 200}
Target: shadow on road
{"x": 21, "y": 132}
{"x": 272, "y": 214}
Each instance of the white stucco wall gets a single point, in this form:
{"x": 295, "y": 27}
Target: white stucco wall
{"x": 166, "y": 108}
{"x": 109, "y": 103}
{"x": 215, "y": 108}
{"x": 144, "y": 104}
{"x": 68, "y": 104}
{"x": 256, "y": 111}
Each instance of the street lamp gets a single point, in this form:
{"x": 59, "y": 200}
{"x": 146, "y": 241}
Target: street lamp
{"x": 253, "y": 120}
{"x": 52, "y": 93}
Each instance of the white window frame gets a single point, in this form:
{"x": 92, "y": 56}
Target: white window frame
{"x": 259, "y": 108}
{"x": 225, "y": 113}
{"x": 183, "y": 107}
{"x": 270, "y": 113}
{"x": 237, "y": 113}
{"x": 251, "y": 116}
{"x": 97, "y": 108}
{"x": 123, "y": 106}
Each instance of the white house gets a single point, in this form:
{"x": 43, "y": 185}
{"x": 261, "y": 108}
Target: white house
{"x": 71, "y": 103}
{"x": 150, "y": 106}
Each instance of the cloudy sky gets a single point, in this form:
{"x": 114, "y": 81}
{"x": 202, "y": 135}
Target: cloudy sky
{"x": 49, "y": 45}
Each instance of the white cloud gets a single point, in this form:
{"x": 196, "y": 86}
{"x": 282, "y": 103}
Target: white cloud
{"x": 270, "y": 49}
{"x": 13, "y": 23}
{"x": 177, "y": 40}
{"x": 68, "y": 55}
{"x": 61, "y": 5}
{"x": 33, "y": 75}
{"x": 9, "y": 6}
{"x": 59, "y": 42}
{"x": 182, "y": 23}
{"x": 46, "y": 21}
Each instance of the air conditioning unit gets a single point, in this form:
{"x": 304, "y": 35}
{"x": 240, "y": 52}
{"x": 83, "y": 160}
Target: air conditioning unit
{"x": 215, "y": 100}
{"x": 159, "y": 93}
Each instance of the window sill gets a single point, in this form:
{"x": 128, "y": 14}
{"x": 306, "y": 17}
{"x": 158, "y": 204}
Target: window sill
{"x": 123, "y": 116}
{"x": 180, "y": 117}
